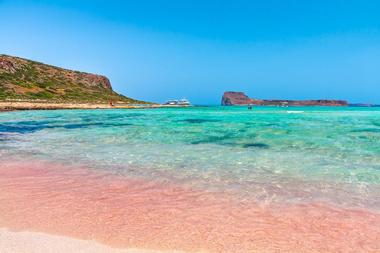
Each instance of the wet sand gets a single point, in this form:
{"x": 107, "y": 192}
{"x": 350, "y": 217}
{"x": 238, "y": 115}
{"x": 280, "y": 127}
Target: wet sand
{"x": 35, "y": 242}
{"x": 130, "y": 213}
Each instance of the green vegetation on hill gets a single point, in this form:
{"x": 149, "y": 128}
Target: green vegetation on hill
{"x": 22, "y": 79}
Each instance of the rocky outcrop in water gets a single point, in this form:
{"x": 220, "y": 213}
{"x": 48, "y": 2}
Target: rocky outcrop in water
{"x": 239, "y": 98}
{"x": 235, "y": 98}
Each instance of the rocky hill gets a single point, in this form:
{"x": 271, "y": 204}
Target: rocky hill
{"x": 22, "y": 79}
{"x": 235, "y": 98}
{"x": 239, "y": 98}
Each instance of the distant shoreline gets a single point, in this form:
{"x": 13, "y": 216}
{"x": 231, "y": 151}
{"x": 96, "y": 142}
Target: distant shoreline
{"x": 23, "y": 106}
{"x": 7, "y": 106}
{"x": 14, "y": 106}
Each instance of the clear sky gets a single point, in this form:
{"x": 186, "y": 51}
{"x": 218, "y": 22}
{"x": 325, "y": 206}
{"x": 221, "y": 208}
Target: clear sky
{"x": 158, "y": 50}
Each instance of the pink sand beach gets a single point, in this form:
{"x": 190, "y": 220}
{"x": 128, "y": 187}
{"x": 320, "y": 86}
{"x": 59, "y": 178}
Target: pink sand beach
{"x": 98, "y": 212}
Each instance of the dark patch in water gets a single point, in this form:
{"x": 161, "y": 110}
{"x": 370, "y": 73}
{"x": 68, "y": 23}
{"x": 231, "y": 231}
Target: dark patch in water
{"x": 256, "y": 145}
{"x": 18, "y": 128}
{"x": 263, "y": 125}
{"x": 76, "y": 126}
{"x": 221, "y": 139}
{"x": 198, "y": 121}
{"x": 228, "y": 140}
{"x": 105, "y": 117}
{"x": 118, "y": 116}
{"x": 2, "y": 137}
{"x": 368, "y": 130}
{"x": 24, "y": 127}
{"x": 211, "y": 139}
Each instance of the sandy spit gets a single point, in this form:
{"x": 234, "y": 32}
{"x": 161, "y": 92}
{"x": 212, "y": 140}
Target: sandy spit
{"x": 9, "y": 106}
{"x": 14, "y": 106}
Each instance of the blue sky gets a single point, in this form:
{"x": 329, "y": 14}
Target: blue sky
{"x": 158, "y": 50}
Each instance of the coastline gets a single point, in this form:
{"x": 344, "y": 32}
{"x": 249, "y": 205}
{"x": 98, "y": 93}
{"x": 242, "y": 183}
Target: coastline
{"x": 134, "y": 213}
{"x": 21, "y": 105}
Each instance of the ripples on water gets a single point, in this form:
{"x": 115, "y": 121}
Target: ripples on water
{"x": 266, "y": 155}
{"x": 316, "y": 152}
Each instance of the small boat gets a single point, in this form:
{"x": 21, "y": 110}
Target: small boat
{"x": 171, "y": 102}
{"x": 182, "y": 102}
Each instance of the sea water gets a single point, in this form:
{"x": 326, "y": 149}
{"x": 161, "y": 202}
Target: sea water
{"x": 268, "y": 155}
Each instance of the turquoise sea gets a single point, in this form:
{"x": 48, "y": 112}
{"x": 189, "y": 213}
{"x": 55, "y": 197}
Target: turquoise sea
{"x": 271, "y": 154}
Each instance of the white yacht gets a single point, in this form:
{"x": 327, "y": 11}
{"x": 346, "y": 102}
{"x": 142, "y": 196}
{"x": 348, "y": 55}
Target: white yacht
{"x": 171, "y": 102}
{"x": 181, "y": 102}
{"x": 184, "y": 101}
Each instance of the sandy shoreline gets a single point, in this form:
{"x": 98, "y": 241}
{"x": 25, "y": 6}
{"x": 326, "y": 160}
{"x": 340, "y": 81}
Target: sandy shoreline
{"x": 36, "y": 242}
{"x": 12, "y": 106}
{"x": 133, "y": 213}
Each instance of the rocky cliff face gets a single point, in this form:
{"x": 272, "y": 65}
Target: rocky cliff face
{"x": 239, "y": 98}
{"x": 29, "y": 80}
{"x": 235, "y": 98}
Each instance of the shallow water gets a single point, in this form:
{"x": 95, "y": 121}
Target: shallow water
{"x": 329, "y": 154}
{"x": 261, "y": 158}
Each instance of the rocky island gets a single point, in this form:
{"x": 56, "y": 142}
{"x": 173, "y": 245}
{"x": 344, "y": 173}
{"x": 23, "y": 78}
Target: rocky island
{"x": 239, "y": 98}
{"x": 26, "y": 84}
